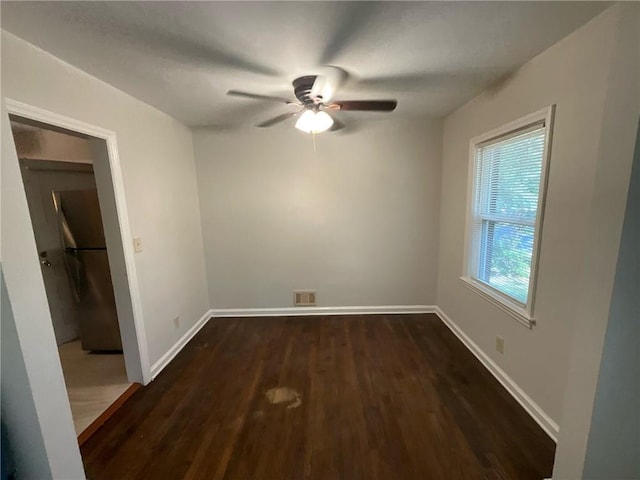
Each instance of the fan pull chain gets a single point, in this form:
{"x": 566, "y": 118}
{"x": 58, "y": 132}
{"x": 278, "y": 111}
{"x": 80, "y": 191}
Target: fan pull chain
{"x": 313, "y": 136}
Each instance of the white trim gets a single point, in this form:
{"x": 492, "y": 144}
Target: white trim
{"x": 532, "y": 408}
{"x": 524, "y": 315}
{"x": 505, "y": 304}
{"x": 165, "y": 359}
{"x": 313, "y": 311}
{"x": 549, "y": 113}
{"x": 16, "y": 107}
{"x": 542, "y": 115}
{"x": 35, "y": 113}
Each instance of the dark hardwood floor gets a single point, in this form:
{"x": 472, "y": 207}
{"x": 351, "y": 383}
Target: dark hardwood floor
{"x": 393, "y": 397}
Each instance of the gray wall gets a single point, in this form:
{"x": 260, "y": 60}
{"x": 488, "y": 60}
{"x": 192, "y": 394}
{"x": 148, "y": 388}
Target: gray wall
{"x": 613, "y": 450}
{"x": 19, "y": 416}
{"x": 357, "y": 220}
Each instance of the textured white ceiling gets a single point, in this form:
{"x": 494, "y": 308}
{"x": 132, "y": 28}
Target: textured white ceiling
{"x": 181, "y": 57}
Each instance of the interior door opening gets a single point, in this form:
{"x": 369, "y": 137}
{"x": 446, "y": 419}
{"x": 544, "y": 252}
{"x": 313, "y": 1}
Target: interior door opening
{"x": 67, "y": 208}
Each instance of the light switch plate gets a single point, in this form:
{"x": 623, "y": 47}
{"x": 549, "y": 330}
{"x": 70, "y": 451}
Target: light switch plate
{"x": 137, "y": 244}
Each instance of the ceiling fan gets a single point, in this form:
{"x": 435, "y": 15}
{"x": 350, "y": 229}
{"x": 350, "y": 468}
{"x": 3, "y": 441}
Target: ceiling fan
{"x": 314, "y": 95}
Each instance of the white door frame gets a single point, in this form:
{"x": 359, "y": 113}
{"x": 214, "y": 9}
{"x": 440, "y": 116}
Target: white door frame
{"x": 40, "y": 115}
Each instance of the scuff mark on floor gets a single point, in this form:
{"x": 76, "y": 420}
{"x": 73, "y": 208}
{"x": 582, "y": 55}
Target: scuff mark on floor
{"x": 284, "y": 395}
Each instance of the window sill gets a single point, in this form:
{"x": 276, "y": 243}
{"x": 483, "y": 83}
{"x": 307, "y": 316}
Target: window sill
{"x": 512, "y": 309}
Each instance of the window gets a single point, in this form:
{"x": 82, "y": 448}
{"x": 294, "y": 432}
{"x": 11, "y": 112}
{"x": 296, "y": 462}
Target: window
{"x": 507, "y": 187}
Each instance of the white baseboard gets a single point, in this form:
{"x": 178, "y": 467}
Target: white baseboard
{"x": 304, "y": 311}
{"x": 165, "y": 359}
{"x": 532, "y": 408}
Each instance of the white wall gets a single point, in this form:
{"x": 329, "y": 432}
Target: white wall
{"x": 594, "y": 307}
{"x": 357, "y": 220}
{"x": 574, "y": 75}
{"x": 614, "y": 437}
{"x": 156, "y": 154}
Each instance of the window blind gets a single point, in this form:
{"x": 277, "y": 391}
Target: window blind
{"x": 507, "y": 187}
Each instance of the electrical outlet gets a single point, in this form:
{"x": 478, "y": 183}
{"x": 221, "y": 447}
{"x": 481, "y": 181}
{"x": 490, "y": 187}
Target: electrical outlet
{"x": 137, "y": 244}
{"x": 176, "y": 321}
{"x": 500, "y": 344}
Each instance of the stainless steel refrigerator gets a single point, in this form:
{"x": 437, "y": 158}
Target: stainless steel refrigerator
{"x": 87, "y": 264}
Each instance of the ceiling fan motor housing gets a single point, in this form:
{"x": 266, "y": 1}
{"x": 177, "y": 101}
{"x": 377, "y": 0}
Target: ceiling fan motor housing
{"x": 302, "y": 89}
{"x": 312, "y": 91}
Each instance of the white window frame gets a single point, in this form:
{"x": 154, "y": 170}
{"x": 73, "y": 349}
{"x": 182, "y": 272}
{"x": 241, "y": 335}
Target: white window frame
{"x": 524, "y": 313}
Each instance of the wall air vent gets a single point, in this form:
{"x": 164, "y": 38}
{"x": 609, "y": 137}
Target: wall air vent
{"x": 304, "y": 298}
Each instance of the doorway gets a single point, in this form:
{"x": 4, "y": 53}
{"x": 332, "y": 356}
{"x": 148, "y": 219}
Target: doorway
{"x": 66, "y": 207}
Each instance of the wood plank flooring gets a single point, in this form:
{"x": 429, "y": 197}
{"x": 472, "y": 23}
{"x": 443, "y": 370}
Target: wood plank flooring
{"x": 393, "y": 397}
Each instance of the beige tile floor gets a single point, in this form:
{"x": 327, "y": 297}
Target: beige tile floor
{"x": 94, "y": 381}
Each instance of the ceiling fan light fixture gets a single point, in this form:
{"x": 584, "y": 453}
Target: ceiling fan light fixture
{"x": 314, "y": 121}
